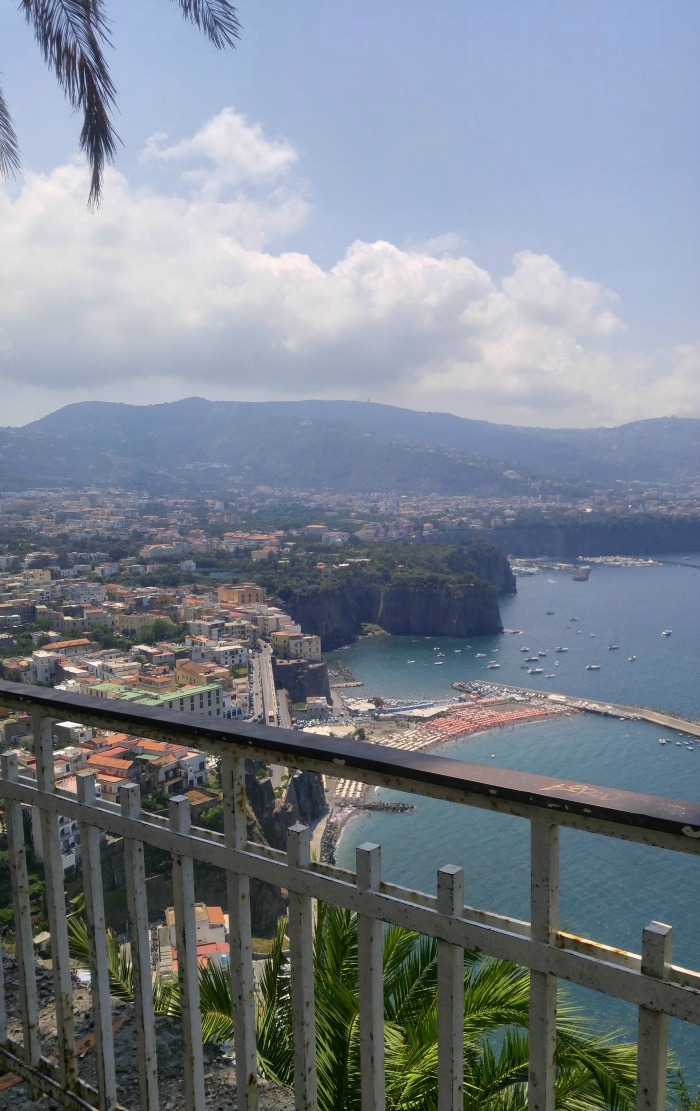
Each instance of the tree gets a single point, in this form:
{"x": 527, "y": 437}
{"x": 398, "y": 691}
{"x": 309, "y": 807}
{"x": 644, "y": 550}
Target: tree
{"x": 593, "y": 1071}
{"x": 72, "y": 36}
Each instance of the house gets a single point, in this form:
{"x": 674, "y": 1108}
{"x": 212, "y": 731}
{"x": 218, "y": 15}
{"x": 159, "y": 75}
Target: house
{"x": 68, "y": 828}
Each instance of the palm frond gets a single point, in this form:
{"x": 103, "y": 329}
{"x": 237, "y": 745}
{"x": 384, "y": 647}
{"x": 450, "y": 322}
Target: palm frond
{"x": 9, "y": 147}
{"x": 121, "y": 975}
{"x": 72, "y": 35}
{"x": 216, "y": 19}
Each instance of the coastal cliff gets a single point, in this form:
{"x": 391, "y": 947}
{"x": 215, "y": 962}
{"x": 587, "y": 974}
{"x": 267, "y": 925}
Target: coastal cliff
{"x": 337, "y": 614}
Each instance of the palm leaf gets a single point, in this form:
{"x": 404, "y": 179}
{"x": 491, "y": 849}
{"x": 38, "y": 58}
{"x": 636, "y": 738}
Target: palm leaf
{"x": 216, "y": 19}
{"x": 72, "y": 35}
{"x": 9, "y": 148}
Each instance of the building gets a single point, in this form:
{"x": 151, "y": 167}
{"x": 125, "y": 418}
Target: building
{"x": 242, "y": 594}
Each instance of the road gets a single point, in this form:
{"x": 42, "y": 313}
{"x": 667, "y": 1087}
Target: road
{"x": 269, "y": 696}
{"x": 256, "y": 688}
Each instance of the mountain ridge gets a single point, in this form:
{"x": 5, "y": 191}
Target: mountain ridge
{"x": 333, "y": 445}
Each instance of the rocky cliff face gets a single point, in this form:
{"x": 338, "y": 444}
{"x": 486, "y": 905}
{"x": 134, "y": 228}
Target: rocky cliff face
{"x": 337, "y": 614}
{"x": 301, "y": 678}
{"x": 617, "y": 536}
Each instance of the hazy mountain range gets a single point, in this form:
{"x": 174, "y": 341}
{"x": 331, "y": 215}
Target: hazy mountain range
{"x": 344, "y": 446}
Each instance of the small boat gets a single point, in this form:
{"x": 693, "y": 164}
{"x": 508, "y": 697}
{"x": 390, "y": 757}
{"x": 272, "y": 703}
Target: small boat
{"x": 481, "y": 655}
{"x": 560, "y": 649}
{"x": 458, "y": 649}
{"x": 535, "y": 670}
{"x": 493, "y": 664}
{"x": 524, "y": 649}
{"x": 550, "y": 613}
{"x": 573, "y": 619}
{"x": 613, "y": 647}
{"x": 541, "y": 654}
{"x": 532, "y": 659}
{"x": 593, "y": 634}
{"x": 410, "y": 661}
{"x": 666, "y": 632}
{"x": 678, "y": 743}
{"x": 630, "y": 658}
{"x": 663, "y": 740}
{"x": 592, "y": 667}
{"x": 552, "y": 676}
{"x": 438, "y": 663}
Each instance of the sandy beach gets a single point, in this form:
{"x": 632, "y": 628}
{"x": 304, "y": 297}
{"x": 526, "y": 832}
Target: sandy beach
{"x": 458, "y": 722}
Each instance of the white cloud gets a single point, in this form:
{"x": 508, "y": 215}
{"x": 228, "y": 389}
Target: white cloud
{"x": 161, "y": 295}
{"x": 227, "y": 150}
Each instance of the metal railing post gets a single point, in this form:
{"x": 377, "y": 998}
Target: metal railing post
{"x": 137, "y": 906}
{"x": 652, "y": 1038}
{"x": 187, "y": 963}
{"x": 97, "y": 942}
{"x": 240, "y": 939}
{"x": 56, "y": 904}
{"x": 450, "y": 995}
{"x": 370, "y": 982}
{"x": 24, "y": 951}
{"x": 301, "y": 959}
{"x": 544, "y": 902}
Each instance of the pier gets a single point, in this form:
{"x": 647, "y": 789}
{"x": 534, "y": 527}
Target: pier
{"x": 608, "y": 709}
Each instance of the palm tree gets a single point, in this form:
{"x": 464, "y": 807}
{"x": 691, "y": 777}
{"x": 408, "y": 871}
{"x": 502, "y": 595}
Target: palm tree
{"x": 72, "y": 36}
{"x": 593, "y": 1070}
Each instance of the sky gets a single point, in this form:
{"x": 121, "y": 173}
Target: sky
{"x": 484, "y": 207}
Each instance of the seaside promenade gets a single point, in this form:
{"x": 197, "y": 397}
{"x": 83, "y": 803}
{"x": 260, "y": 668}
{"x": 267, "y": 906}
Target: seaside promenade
{"x": 504, "y": 705}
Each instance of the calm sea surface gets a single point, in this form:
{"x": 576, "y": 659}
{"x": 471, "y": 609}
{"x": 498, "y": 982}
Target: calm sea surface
{"x": 609, "y": 889}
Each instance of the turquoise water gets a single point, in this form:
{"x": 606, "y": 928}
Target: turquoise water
{"x": 609, "y": 889}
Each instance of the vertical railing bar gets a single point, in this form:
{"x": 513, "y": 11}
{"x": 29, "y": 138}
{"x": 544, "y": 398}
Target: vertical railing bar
{"x": 450, "y": 995}
{"x": 137, "y": 906}
{"x": 652, "y": 1038}
{"x": 97, "y": 942}
{"x": 240, "y": 936}
{"x": 544, "y": 913}
{"x": 370, "y": 983}
{"x": 24, "y": 951}
{"x": 187, "y": 964}
{"x": 56, "y": 905}
{"x": 302, "y": 975}
{"x": 3, "y": 1002}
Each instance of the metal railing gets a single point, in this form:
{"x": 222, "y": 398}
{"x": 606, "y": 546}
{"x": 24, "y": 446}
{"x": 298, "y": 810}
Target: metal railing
{"x": 648, "y": 979}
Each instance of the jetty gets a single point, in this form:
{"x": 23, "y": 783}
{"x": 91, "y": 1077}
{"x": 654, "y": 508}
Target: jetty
{"x": 610, "y": 709}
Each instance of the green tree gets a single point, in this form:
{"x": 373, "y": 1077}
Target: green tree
{"x": 73, "y": 36}
{"x": 593, "y": 1071}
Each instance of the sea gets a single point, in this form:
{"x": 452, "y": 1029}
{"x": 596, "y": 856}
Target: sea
{"x": 609, "y": 889}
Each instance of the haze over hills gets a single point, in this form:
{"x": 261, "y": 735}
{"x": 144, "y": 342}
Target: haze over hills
{"x": 339, "y": 446}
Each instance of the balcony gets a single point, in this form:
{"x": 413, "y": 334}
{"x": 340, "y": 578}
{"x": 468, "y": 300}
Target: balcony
{"x": 647, "y": 979}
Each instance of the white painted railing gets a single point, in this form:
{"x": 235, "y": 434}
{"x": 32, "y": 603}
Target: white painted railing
{"x": 648, "y": 980}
